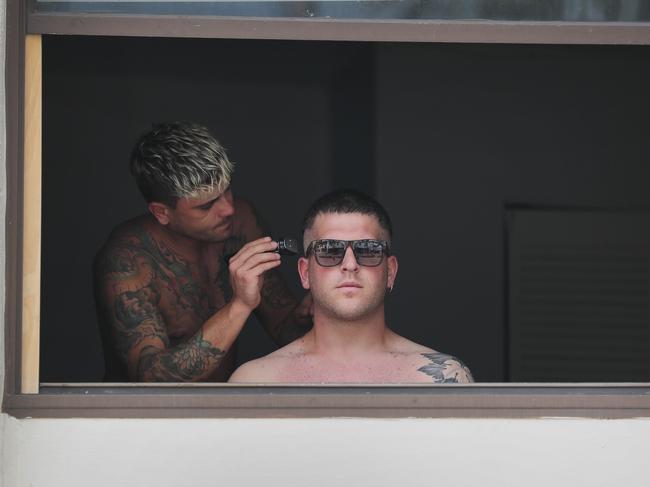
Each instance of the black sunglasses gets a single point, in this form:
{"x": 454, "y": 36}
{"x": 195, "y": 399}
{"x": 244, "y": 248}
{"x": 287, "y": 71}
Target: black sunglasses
{"x": 330, "y": 253}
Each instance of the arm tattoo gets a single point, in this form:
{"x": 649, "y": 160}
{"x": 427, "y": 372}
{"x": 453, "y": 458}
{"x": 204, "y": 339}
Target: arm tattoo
{"x": 131, "y": 306}
{"x": 275, "y": 292}
{"x": 134, "y": 307}
{"x": 188, "y": 361}
{"x": 445, "y": 369}
{"x": 138, "y": 319}
{"x": 277, "y": 298}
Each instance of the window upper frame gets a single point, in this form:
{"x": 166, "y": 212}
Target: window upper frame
{"x": 603, "y": 400}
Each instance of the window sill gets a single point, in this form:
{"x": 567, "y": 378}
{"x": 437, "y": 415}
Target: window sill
{"x": 317, "y": 401}
{"x": 382, "y": 30}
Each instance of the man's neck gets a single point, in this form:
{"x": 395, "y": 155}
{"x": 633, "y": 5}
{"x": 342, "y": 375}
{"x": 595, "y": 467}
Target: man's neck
{"x": 188, "y": 247}
{"x": 334, "y": 337}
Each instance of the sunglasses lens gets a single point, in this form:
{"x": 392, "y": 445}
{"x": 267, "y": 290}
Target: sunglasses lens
{"x": 329, "y": 253}
{"x": 369, "y": 252}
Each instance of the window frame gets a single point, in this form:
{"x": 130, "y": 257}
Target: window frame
{"x": 597, "y": 400}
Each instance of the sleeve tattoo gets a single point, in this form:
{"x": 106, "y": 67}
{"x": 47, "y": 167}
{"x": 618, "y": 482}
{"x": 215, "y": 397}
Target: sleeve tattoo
{"x": 134, "y": 298}
{"x": 137, "y": 319}
{"x": 187, "y": 361}
{"x": 130, "y": 299}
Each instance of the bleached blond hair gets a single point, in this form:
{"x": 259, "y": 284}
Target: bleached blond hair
{"x": 179, "y": 160}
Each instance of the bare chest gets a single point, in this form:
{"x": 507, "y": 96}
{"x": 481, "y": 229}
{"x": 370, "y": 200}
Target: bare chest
{"x": 383, "y": 368}
{"x": 191, "y": 292}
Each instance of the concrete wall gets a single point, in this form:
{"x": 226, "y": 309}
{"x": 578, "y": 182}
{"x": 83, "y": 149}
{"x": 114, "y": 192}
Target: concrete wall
{"x": 4, "y": 441}
{"x": 325, "y": 452}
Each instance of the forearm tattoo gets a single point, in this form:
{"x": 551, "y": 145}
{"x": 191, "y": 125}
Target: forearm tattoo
{"x": 445, "y": 369}
{"x": 230, "y": 248}
{"x": 190, "y": 360}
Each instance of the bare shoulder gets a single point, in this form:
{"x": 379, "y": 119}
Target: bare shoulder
{"x": 131, "y": 234}
{"x": 267, "y": 368}
{"x": 257, "y": 370}
{"x": 123, "y": 246}
{"x": 440, "y": 367}
{"x": 428, "y": 365}
{"x": 401, "y": 345}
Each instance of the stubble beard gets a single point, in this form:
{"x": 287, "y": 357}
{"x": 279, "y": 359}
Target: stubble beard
{"x": 336, "y": 308}
{"x": 218, "y": 237}
{"x": 207, "y": 236}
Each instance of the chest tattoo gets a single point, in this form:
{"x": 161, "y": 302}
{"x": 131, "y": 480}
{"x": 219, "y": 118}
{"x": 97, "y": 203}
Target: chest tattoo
{"x": 444, "y": 368}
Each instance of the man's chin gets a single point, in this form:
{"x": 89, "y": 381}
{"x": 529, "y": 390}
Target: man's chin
{"x": 219, "y": 237}
{"x": 220, "y": 233}
{"x": 352, "y": 314}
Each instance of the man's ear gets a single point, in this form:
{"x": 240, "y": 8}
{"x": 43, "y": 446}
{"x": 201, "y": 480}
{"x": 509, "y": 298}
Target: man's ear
{"x": 303, "y": 271}
{"x": 392, "y": 271}
{"x": 160, "y": 211}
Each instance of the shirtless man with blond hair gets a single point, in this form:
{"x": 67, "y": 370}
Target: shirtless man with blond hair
{"x": 174, "y": 287}
{"x": 348, "y": 267}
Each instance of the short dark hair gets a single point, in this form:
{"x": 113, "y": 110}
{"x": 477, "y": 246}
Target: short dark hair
{"x": 347, "y": 201}
{"x": 177, "y": 160}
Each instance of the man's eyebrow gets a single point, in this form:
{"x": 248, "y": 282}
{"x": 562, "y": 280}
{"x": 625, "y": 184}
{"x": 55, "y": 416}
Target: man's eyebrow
{"x": 207, "y": 203}
{"x": 211, "y": 202}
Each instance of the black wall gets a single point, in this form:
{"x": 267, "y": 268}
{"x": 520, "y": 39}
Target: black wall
{"x": 444, "y": 135}
{"x": 464, "y": 129}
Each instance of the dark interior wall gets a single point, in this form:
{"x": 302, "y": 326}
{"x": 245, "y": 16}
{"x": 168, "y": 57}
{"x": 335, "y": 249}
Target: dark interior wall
{"x": 461, "y": 131}
{"x": 445, "y": 135}
{"x": 270, "y": 104}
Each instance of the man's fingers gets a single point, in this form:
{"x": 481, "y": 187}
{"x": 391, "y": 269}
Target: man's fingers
{"x": 252, "y": 248}
{"x": 244, "y": 279}
{"x": 262, "y": 268}
{"x": 261, "y": 245}
{"x": 254, "y": 266}
{"x": 247, "y": 267}
{"x": 253, "y": 261}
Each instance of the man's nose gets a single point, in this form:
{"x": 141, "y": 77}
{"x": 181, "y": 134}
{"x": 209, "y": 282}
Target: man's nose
{"x": 349, "y": 261}
{"x": 225, "y": 207}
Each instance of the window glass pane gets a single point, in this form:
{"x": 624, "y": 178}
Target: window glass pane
{"x": 507, "y": 10}
{"x": 443, "y": 134}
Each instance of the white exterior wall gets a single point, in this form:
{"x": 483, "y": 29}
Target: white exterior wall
{"x": 327, "y": 452}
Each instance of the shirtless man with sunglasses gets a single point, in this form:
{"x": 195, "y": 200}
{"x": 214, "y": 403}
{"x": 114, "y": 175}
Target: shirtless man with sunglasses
{"x": 348, "y": 267}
